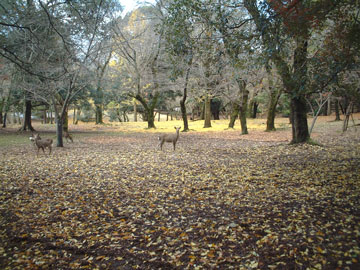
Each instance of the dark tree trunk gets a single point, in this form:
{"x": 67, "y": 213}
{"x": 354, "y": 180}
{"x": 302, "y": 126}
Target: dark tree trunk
{"x": 254, "y": 111}
{"x": 244, "y": 105}
{"x": 65, "y": 122}
{"x": 183, "y": 100}
{"x": 207, "y": 112}
{"x": 27, "y": 117}
{"x": 329, "y": 106}
{"x": 337, "y": 111}
{"x": 149, "y": 109}
{"x": 243, "y": 110}
{"x": 135, "y": 111}
{"x": 234, "y": 114}
{"x": 59, "y": 132}
{"x": 274, "y": 98}
{"x": 5, "y": 119}
{"x": 184, "y": 113}
{"x": 98, "y": 114}
{"x": 215, "y": 108}
{"x": 300, "y": 130}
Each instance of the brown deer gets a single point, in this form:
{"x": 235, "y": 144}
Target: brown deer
{"x": 170, "y": 138}
{"x": 67, "y": 136}
{"x": 41, "y": 143}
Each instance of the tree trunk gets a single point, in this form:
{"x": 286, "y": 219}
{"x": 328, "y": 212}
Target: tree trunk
{"x": 255, "y": 108}
{"x": 135, "y": 111}
{"x": 1, "y": 110}
{"x": 27, "y": 117}
{"x": 244, "y": 105}
{"x": 5, "y": 118}
{"x": 274, "y": 98}
{"x": 243, "y": 110}
{"x": 98, "y": 114}
{"x": 207, "y": 112}
{"x": 347, "y": 116}
{"x": 150, "y": 117}
{"x": 234, "y": 114}
{"x": 300, "y": 131}
{"x": 184, "y": 114}
{"x": 337, "y": 111}
{"x": 74, "y": 116}
{"x": 51, "y": 117}
{"x": 329, "y": 106}
{"x": 126, "y": 118}
{"x": 183, "y": 100}
{"x": 59, "y": 132}
{"x": 65, "y": 122}
{"x": 149, "y": 109}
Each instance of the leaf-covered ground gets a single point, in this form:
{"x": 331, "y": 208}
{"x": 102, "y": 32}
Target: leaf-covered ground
{"x": 220, "y": 201}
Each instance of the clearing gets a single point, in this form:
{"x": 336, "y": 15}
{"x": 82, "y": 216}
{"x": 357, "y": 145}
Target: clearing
{"x": 113, "y": 200}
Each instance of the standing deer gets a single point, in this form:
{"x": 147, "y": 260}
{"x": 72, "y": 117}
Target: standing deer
{"x": 171, "y": 138}
{"x": 41, "y": 143}
{"x": 67, "y": 136}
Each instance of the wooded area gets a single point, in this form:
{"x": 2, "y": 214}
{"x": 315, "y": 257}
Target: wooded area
{"x": 278, "y": 191}
{"x": 205, "y": 59}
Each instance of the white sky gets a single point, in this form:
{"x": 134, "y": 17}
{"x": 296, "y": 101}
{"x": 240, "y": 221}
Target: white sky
{"x": 131, "y": 4}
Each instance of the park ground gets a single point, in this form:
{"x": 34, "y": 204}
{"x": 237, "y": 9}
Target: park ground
{"x": 222, "y": 200}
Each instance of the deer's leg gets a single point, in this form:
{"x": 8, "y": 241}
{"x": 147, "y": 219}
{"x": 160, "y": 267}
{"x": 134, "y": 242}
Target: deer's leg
{"x": 49, "y": 150}
{"x": 174, "y": 143}
{"x": 161, "y": 144}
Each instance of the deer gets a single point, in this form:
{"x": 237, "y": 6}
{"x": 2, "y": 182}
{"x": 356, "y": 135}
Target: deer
{"x": 67, "y": 136}
{"x": 171, "y": 138}
{"x": 41, "y": 143}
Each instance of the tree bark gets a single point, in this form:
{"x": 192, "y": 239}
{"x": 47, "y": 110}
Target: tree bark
{"x": 254, "y": 109}
{"x": 5, "y": 119}
{"x": 300, "y": 131}
{"x": 27, "y": 117}
{"x": 274, "y": 98}
{"x": 207, "y": 112}
{"x": 183, "y": 100}
{"x": 244, "y": 105}
{"x": 65, "y": 121}
{"x": 243, "y": 111}
{"x": 59, "y": 132}
{"x": 149, "y": 108}
{"x": 135, "y": 111}
{"x": 1, "y": 109}
{"x": 234, "y": 114}
{"x": 337, "y": 111}
{"x": 329, "y": 106}
{"x": 98, "y": 114}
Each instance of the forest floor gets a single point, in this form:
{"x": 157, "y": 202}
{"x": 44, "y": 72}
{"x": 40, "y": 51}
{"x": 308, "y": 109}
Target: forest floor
{"x": 222, "y": 200}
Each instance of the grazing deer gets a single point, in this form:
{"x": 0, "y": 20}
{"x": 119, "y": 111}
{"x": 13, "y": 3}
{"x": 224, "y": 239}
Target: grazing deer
{"x": 41, "y": 143}
{"x": 67, "y": 136}
{"x": 171, "y": 138}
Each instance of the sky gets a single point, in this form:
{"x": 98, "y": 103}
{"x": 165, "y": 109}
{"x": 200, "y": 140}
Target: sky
{"x": 131, "y": 4}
